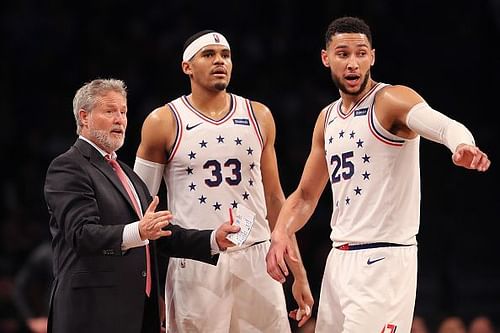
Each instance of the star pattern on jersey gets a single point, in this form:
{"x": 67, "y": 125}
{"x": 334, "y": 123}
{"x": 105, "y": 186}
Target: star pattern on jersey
{"x": 361, "y": 162}
{"x": 220, "y": 171}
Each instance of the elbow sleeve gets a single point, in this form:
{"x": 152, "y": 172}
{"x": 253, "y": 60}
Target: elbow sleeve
{"x": 435, "y": 126}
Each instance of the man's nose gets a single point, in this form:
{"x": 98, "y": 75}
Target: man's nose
{"x": 352, "y": 63}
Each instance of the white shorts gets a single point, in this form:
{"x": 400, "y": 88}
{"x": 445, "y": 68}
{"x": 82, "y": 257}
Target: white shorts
{"x": 237, "y": 295}
{"x": 368, "y": 291}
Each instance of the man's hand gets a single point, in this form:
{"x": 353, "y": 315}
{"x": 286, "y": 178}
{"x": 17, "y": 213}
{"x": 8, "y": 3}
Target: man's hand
{"x": 152, "y": 223}
{"x": 471, "y": 157}
{"x": 222, "y": 231}
{"x": 303, "y": 296}
{"x": 275, "y": 259}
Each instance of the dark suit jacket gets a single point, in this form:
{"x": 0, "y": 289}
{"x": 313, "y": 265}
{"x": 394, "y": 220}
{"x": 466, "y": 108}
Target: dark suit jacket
{"x": 97, "y": 287}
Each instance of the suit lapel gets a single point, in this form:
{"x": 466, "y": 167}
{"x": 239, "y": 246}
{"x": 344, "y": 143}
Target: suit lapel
{"x": 98, "y": 161}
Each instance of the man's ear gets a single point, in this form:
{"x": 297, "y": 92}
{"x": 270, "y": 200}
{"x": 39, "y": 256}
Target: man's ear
{"x": 84, "y": 116}
{"x": 324, "y": 58}
{"x": 186, "y": 68}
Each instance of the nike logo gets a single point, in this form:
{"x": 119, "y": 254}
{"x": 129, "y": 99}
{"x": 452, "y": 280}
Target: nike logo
{"x": 331, "y": 121}
{"x": 188, "y": 128}
{"x": 370, "y": 261}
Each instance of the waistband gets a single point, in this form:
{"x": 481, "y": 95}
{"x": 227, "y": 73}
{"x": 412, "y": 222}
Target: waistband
{"x": 352, "y": 247}
{"x": 242, "y": 247}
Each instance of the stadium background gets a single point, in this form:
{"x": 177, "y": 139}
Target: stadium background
{"x": 447, "y": 52}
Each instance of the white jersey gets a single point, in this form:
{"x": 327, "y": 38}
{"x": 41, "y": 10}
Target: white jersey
{"x": 375, "y": 176}
{"x": 214, "y": 166}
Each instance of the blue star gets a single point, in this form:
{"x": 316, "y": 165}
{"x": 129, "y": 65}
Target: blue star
{"x": 250, "y": 151}
{"x": 203, "y": 199}
{"x": 366, "y": 159}
{"x": 347, "y": 200}
{"x": 234, "y": 204}
{"x": 341, "y": 134}
{"x": 330, "y": 140}
{"x": 357, "y": 190}
{"x": 238, "y": 141}
{"x": 351, "y": 135}
{"x": 360, "y": 143}
{"x": 220, "y": 139}
{"x": 252, "y": 166}
{"x": 217, "y": 206}
{"x": 203, "y": 144}
{"x": 366, "y": 175}
{"x": 250, "y": 181}
{"x": 189, "y": 170}
{"x": 192, "y": 187}
{"x": 245, "y": 195}
{"x": 192, "y": 155}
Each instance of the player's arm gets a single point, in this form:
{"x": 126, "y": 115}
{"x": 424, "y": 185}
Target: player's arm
{"x": 157, "y": 136}
{"x": 299, "y": 206}
{"x": 274, "y": 201}
{"x": 405, "y": 113}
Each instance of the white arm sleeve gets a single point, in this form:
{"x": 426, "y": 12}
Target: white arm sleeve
{"x": 435, "y": 126}
{"x": 150, "y": 172}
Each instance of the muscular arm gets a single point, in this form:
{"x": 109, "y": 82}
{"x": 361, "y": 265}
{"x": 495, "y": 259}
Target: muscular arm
{"x": 300, "y": 205}
{"x": 275, "y": 199}
{"x": 403, "y": 112}
{"x": 157, "y": 138}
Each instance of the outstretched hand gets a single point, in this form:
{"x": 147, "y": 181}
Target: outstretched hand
{"x": 275, "y": 258}
{"x": 152, "y": 223}
{"x": 471, "y": 157}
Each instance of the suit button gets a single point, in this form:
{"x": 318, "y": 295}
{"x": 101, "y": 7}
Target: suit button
{"x": 143, "y": 273}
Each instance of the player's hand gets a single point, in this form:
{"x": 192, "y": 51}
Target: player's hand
{"x": 471, "y": 157}
{"x": 152, "y": 223}
{"x": 275, "y": 258}
{"x": 222, "y": 231}
{"x": 303, "y": 296}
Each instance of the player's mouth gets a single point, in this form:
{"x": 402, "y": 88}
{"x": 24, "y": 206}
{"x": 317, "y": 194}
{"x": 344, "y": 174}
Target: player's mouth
{"x": 219, "y": 71}
{"x": 352, "y": 79}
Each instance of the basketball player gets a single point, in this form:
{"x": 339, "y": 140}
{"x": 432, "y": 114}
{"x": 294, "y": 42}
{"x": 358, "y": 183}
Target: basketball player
{"x": 367, "y": 144}
{"x": 215, "y": 151}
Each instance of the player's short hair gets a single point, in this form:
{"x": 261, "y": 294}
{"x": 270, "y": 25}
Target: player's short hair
{"x": 347, "y": 24}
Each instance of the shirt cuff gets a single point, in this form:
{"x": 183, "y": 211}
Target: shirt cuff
{"x": 132, "y": 237}
{"x": 214, "y": 247}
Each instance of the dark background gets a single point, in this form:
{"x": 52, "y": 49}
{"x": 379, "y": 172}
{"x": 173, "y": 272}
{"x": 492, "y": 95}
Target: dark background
{"x": 446, "y": 52}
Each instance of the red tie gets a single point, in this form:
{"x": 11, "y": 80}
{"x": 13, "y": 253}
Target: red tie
{"x": 123, "y": 178}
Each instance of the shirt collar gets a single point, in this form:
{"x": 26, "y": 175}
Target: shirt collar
{"x": 101, "y": 151}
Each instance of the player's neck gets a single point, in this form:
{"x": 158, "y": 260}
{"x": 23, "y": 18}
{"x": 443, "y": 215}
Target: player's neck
{"x": 349, "y": 100}
{"x": 214, "y": 105}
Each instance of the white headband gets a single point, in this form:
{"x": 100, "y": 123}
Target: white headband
{"x": 202, "y": 41}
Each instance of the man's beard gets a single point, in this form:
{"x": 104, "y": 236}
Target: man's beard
{"x": 342, "y": 87}
{"x": 105, "y": 140}
{"x": 221, "y": 86}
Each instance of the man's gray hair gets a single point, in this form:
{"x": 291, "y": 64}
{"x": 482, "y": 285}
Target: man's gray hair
{"x": 86, "y": 97}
